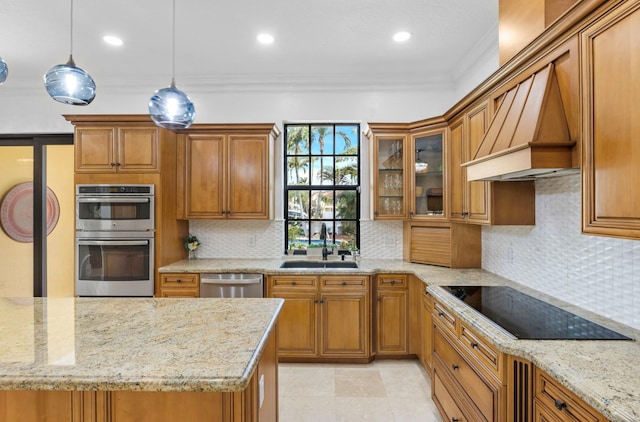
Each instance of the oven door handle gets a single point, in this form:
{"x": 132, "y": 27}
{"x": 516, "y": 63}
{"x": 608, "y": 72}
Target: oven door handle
{"x": 114, "y": 199}
{"x": 112, "y": 242}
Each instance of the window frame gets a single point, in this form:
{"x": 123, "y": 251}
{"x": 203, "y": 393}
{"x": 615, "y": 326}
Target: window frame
{"x": 335, "y": 189}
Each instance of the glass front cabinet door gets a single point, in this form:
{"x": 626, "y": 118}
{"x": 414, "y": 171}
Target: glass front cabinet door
{"x": 427, "y": 173}
{"x": 390, "y": 183}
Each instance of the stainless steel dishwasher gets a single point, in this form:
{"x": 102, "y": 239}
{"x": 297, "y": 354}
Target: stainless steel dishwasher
{"x": 231, "y": 285}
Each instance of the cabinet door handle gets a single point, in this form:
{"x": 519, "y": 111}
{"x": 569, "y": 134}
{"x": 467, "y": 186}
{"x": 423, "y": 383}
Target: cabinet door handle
{"x": 474, "y": 345}
{"x": 464, "y": 214}
{"x": 560, "y": 405}
{"x": 455, "y": 367}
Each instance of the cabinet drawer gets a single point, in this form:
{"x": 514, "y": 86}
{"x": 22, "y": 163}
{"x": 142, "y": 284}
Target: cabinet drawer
{"x": 391, "y": 280}
{"x": 484, "y": 352}
{"x": 344, "y": 282}
{"x": 483, "y": 396}
{"x": 302, "y": 282}
{"x": 444, "y": 318}
{"x": 561, "y": 402}
{"x": 180, "y": 292}
{"x": 446, "y": 403}
{"x": 187, "y": 281}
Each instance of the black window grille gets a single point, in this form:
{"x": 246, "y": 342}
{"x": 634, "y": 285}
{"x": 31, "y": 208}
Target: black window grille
{"x": 322, "y": 184}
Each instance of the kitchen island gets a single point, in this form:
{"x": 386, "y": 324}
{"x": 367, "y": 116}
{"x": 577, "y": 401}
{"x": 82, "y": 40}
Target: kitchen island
{"x": 113, "y": 359}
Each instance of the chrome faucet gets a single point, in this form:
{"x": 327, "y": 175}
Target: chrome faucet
{"x": 323, "y": 237}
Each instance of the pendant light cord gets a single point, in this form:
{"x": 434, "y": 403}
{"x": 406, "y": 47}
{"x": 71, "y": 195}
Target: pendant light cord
{"x": 71, "y": 30}
{"x": 173, "y": 47}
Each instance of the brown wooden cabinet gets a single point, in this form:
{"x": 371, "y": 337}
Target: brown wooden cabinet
{"x": 611, "y": 152}
{"x": 226, "y": 171}
{"x": 391, "y": 314}
{"x": 447, "y": 244}
{"x": 179, "y": 285}
{"x": 125, "y": 148}
{"x": 427, "y": 332}
{"x": 471, "y": 370}
{"x": 481, "y": 202}
{"x": 389, "y": 145}
{"x": 553, "y": 402}
{"x": 324, "y": 317}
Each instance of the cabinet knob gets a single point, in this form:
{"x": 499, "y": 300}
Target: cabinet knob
{"x": 455, "y": 367}
{"x": 321, "y": 300}
{"x": 455, "y": 420}
{"x": 293, "y": 283}
{"x": 379, "y": 299}
{"x": 315, "y": 301}
{"x": 113, "y": 164}
{"x": 344, "y": 283}
{"x": 560, "y": 405}
{"x": 440, "y": 314}
{"x": 179, "y": 280}
{"x": 474, "y": 345}
{"x": 118, "y": 164}
{"x": 464, "y": 213}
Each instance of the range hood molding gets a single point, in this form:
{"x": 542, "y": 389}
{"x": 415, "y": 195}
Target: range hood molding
{"x": 528, "y": 137}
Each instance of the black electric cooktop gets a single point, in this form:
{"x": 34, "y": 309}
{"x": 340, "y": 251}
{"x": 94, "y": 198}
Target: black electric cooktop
{"x": 526, "y": 317}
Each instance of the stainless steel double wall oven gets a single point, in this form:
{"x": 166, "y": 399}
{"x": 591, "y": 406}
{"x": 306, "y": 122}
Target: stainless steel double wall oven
{"x": 115, "y": 229}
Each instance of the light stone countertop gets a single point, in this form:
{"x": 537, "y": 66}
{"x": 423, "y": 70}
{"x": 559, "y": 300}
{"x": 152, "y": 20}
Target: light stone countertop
{"x": 133, "y": 344}
{"x": 605, "y": 374}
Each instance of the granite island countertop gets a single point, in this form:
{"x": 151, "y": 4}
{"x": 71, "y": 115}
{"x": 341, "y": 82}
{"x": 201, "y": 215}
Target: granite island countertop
{"x": 133, "y": 344}
{"x": 604, "y": 373}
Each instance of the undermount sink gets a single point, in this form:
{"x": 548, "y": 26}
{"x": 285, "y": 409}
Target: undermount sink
{"x": 319, "y": 264}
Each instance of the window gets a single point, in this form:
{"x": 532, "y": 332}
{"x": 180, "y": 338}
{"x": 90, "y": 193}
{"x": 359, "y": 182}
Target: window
{"x": 322, "y": 184}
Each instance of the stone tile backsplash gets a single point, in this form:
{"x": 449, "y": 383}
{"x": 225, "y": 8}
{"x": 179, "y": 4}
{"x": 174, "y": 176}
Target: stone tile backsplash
{"x": 265, "y": 239}
{"x": 597, "y": 273}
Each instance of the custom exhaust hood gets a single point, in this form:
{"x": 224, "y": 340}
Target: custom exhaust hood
{"x": 528, "y": 136}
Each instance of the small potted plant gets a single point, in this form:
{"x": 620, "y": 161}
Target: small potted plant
{"x": 191, "y": 243}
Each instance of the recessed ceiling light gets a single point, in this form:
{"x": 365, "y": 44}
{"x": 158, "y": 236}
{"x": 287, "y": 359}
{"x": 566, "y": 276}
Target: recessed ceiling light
{"x": 265, "y": 38}
{"x": 401, "y": 36}
{"x": 112, "y": 40}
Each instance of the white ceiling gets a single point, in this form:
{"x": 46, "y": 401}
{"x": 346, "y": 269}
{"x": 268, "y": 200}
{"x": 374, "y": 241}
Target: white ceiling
{"x": 321, "y": 42}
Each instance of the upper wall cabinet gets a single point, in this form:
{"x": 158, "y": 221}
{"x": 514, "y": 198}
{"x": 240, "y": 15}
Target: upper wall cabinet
{"x": 481, "y": 202}
{"x": 611, "y": 127}
{"x": 389, "y": 175}
{"x": 428, "y": 174}
{"x": 117, "y": 148}
{"x": 226, "y": 171}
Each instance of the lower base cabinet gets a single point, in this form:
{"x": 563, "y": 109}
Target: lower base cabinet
{"x": 323, "y": 318}
{"x": 179, "y": 285}
{"x": 554, "y": 403}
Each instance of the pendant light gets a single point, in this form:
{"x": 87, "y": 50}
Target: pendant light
{"x": 4, "y": 71}
{"x": 169, "y": 107}
{"x": 69, "y": 84}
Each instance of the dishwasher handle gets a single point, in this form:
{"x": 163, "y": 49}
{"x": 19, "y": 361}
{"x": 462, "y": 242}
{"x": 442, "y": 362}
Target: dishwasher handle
{"x": 231, "y": 281}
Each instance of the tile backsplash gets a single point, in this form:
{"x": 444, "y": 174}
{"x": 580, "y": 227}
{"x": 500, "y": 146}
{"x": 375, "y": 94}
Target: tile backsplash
{"x": 265, "y": 239}
{"x": 597, "y": 273}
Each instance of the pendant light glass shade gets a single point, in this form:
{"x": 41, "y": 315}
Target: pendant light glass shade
{"x": 4, "y": 71}
{"x": 171, "y": 108}
{"x": 69, "y": 84}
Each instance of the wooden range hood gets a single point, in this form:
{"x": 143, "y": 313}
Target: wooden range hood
{"x": 528, "y": 136}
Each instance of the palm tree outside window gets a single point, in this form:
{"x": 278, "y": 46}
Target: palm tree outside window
{"x": 322, "y": 184}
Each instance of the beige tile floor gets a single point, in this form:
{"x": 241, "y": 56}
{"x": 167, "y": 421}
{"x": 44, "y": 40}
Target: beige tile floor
{"x": 385, "y": 391}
